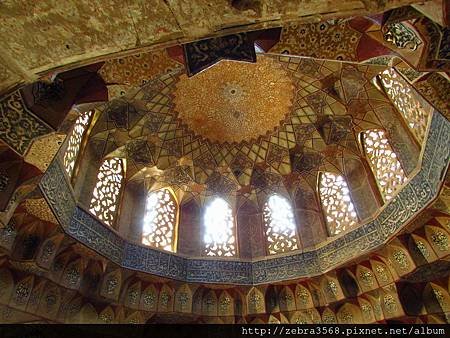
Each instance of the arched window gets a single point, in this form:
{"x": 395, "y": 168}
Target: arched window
{"x": 74, "y": 143}
{"x": 383, "y": 161}
{"x": 159, "y": 225}
{"x": 107, "y": 190}
{"x": 337, "y": 204}
{"x": 219, "y": 229}
{"x": 409, "y": 103}
{"x": 279, "y": 225}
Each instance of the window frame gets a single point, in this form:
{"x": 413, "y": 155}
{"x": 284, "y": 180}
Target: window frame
{"x": 374, "y": 176}
{"x": 322, "y": 207}
{"x": 404, "y": 121}
{"x": 117, "y": 211}
{"x": 82, "y": 147}
{"x": 265, "y": 225}
{"x": 176, "y": 220}
{"x": 234, "y": 228}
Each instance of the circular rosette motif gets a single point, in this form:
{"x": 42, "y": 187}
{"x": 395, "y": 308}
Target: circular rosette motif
{"x": 235, "y": 101}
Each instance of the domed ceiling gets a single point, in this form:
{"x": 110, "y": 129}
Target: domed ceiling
{"x": 241, "y": 131}
{"x": 238, "y": 125}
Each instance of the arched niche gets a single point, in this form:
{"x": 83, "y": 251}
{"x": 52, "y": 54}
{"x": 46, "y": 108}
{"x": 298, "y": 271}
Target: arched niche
{"x": 317, "y": 292}
{"x": 72, "y": 275}
{"x": 328, "y": 316}
{"x": 381, "y": 272}
{"x": 197, "y": 300}
{"x": 132, "y": 294}
{"x": 303, "y": 298}
{"x": 240, "y": 304}
{"x": 107, "y": 316}
{"x": 48, "y": 250}
{"x": 60, "y": 262}
{"x": 50, "y": 302}
{"x": 366, "y": 278}
{"x": 166, "y": 299}
{"x": 226, "y": 304}
{"x": 36, "y": 295}
{"x": 287, "y": 299}
{"x": 111, "y": 285}
{"x": 420, "y": 250}
{"x": 22, "y": 292}
{"x": 90, "y": 283}
{"x": 348, "y": 283}
{"x": 331, "y": 289}
{"x": 183, "y": 299}
{"x": 209, "y": 303}
{"x": 149, "y": 298}
{"x": 374, "y": 297}
{"x": 73, "y": 309}
{"x": 349, "y": 314}
{"x": 438, "y": 239}
{"x": 28, "y": 241}
{"x": 391, "y": 305}
{"x": 255, "y": 301}
{"x": 271, "y": 300}
{"x": 400, "y": 258}
{"x": 367, "y": 312}
{"x": 314, "y": 314}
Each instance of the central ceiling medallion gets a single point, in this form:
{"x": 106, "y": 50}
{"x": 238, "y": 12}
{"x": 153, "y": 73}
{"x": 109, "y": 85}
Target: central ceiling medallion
{"x": 235, "y": 101}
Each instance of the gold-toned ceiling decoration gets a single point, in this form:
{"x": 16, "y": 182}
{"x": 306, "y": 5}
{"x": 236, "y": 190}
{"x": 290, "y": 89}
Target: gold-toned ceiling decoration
{"x": 238, "y": 130}
{"x": 40, "y": 209}
{"x": 318, "y": 108}
{"x": 43, "y": 150}
{"x": 135, "y": 70}
{"x": 235, "y": 101}
{"x": 323, "y": 40}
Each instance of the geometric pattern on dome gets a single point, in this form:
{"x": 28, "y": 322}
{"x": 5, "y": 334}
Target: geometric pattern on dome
{"x": 218, "y": 223}
{"x": 415, "y": 111}
{"x": 338, "y": 207}
{"x": 156, "y": 121}
{"x": 384, "y": 163}
{"x": 158, "y": 228}
{"x": 323, "y": 40}
{"x": 74, "y": 143}
{"x": 280, "y": 228}
{"x": 235, "y": 101}
{"x": 105, "y": 196}
{"x": 135, "y": 70}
